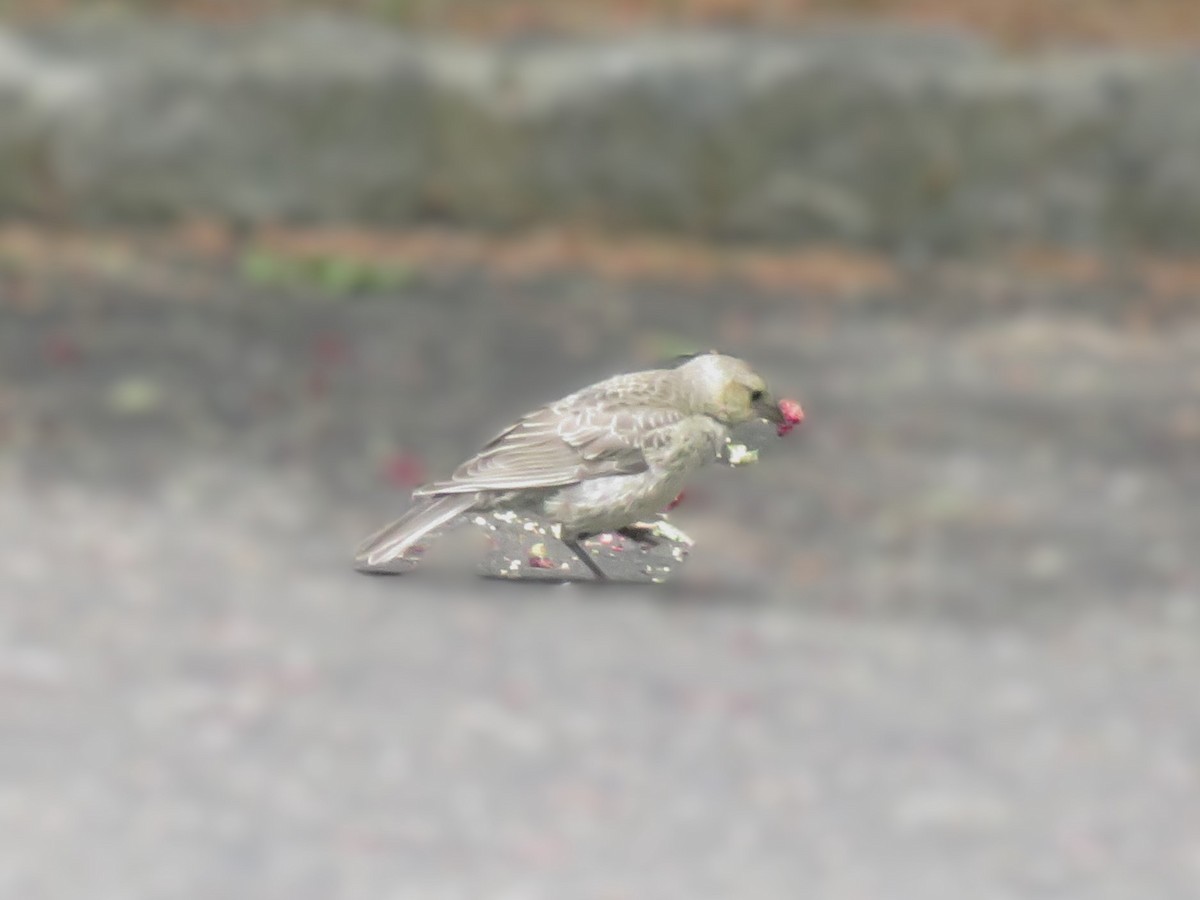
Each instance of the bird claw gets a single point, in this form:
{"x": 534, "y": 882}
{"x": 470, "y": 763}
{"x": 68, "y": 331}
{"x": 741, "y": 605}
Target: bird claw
{"x": 662, "y": 530}
{"x": 640, "y": 533}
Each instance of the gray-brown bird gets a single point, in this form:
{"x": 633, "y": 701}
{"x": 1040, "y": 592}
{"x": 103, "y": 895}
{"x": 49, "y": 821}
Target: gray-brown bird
{"x": 598, "y": 460}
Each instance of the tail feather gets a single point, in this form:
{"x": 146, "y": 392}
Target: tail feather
{"x": 395, "y": 540}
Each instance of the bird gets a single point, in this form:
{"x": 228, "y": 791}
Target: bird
{"x": 597, "y": 461}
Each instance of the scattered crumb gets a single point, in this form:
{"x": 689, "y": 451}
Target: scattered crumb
{"x": 741, "y": 455}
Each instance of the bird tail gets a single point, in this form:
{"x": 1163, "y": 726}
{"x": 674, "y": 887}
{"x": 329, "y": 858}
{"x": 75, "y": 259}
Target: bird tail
{"x": 395, "y": 540}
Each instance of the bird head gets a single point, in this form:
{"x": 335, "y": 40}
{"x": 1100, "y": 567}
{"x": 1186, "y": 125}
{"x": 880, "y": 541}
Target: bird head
{"x": 727, "y": 389}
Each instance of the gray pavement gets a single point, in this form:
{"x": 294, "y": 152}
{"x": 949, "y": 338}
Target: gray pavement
{"x": 943, "y": 644}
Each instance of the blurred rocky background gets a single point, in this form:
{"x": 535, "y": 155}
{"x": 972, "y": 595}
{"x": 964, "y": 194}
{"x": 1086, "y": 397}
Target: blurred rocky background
{"x": 884, "y": 134}
{"x": 266, "y": 266}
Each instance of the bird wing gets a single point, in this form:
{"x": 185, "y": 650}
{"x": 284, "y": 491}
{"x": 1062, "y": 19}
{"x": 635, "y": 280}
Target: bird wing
{"x": 562, "y": 444}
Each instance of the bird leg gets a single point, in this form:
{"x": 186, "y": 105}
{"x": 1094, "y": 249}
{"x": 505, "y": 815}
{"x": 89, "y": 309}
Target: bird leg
{"x": 575, "y": 547}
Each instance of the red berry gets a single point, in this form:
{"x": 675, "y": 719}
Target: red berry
{"x": 792, "y": 414}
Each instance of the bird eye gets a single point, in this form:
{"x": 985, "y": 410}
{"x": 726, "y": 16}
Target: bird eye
{"x": 755, "y": 396}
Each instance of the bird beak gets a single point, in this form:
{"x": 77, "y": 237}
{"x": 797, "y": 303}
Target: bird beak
{"x": 768, "y": 410}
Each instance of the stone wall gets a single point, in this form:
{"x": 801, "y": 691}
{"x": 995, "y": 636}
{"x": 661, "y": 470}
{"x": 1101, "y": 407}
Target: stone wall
{"x": 884, "y": 137}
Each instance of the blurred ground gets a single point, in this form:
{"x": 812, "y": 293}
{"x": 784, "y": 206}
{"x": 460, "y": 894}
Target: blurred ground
{"x": 1015, "y": 22}
{"x": 941, "y": 643}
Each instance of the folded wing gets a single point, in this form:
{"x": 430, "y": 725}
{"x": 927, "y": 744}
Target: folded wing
{"x": 559, "y": 445}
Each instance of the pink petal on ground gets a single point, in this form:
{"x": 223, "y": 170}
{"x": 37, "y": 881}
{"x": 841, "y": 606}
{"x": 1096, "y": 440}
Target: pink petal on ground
{"x": 330, "y": 348}
{"x": 404, "y": 470}
{"x": 62, "y": 350}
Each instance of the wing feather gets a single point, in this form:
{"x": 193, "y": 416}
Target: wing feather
{"x": 562, "y": 444}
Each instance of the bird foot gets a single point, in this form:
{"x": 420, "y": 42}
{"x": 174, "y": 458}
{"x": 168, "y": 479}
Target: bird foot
{"x": 640, "y": 533}
{"x": 651, "y": 534}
